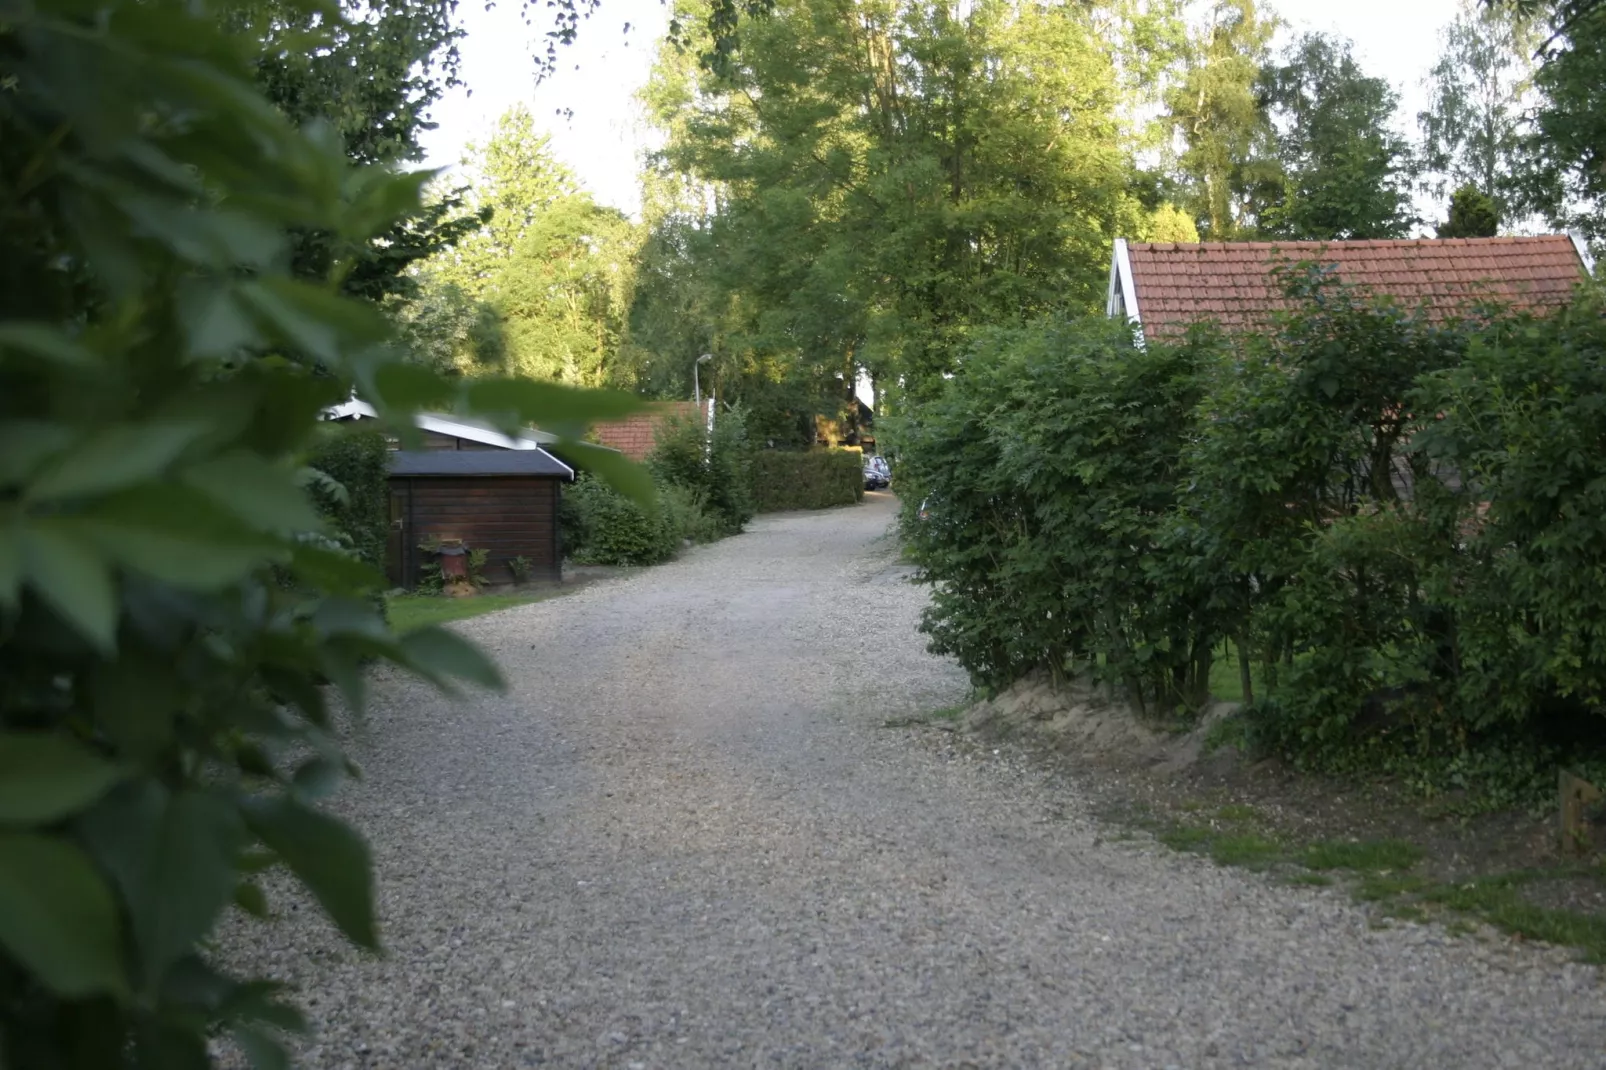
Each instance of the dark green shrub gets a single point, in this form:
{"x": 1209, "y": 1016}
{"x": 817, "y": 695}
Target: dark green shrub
{"x": 600, "y": 526}
{"x": 1048, "y": 468}
{"x": 715, "y": 468}
{"x": 812, "y": 479}
{"x": 355, "y": 496}
{"x": 1394, "y": 520}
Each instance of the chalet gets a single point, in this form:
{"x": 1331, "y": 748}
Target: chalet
{"x": 1163, "y": 287}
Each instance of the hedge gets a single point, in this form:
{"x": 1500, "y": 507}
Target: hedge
{"x": 816, "y": 479}
{"x": 1392, "y": 524}
{"x": 357, "y": 460}
{"x": 600, "y": 526}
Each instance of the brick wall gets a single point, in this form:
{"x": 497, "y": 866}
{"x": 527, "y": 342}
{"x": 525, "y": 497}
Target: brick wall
{"x": 635, "y": 436}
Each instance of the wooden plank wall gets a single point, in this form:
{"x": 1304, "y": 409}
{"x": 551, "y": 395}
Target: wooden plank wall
{"x": 506, "y": 516}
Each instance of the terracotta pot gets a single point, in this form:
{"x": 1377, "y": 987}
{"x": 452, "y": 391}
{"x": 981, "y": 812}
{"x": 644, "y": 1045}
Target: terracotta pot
{"x": 454, "y": 564}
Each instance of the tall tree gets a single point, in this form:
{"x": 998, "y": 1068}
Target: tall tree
{"x": 1346, "y": 172}
{"x": 509, "y": 179}
{"x": 370, "y": 79}
{"x": 1475, "y": 129}
{"x": 888, "y": 175}
{"x": 539, "y": 283}
{"x": 1569, "y": 181}
{"x": 1227, "y": 153}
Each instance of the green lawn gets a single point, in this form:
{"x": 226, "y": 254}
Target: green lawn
{"x": 409, "y": 611}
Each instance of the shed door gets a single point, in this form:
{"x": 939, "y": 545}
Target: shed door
{"x": 396, "y": 539}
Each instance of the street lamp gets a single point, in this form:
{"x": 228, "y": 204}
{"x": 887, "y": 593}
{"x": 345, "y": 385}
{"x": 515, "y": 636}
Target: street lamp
{"x": 696, "y": 385}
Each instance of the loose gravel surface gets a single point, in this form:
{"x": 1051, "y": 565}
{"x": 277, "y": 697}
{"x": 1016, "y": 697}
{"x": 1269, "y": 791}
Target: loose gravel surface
{"x": 685, "y": 838}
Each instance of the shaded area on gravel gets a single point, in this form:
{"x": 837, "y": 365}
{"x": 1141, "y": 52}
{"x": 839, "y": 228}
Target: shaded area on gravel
{"x": 683, "y": 840}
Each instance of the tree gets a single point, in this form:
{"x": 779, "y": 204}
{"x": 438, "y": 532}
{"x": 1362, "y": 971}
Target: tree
{"x": 564, "y": 293}
{"x": 508, "y": 182}
{"x": 370, "y": 81}
{"x": 884, "y": 177}
{"x": 1345, "y": 171}
{"x": 1473, "y": 214}
{"x": 1228, "y": 156}
{"x": 1569, "y": 182}
{"x": 1475, "y": 130}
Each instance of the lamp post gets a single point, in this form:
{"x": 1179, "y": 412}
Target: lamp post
{"x": 696, "y": 385}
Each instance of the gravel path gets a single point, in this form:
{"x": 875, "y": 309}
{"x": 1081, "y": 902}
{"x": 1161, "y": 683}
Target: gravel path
{"x": 684, "y": 839}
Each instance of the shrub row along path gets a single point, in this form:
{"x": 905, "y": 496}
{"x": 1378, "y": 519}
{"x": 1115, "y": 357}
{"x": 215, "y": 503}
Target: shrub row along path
{"x": 684, "y": 838}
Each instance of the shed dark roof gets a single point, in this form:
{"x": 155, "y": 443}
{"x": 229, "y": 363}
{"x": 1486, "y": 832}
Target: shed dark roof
{"x": 536, "y": 462}
{"x": 1235, "y": 285}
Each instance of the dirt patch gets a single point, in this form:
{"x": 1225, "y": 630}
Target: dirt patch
{"x": 1194, "y": 795}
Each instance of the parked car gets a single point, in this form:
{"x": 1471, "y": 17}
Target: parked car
{"x": 877, "y": 473}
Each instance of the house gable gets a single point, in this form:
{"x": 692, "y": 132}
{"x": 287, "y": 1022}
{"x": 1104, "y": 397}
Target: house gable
{"x": 1237, "y": 284}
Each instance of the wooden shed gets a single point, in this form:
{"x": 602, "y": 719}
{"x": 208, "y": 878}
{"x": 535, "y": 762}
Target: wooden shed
{"x": 503, "y": 501}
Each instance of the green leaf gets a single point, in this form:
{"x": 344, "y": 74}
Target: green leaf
{"x": 10, "y": 557}
{"x": 618, "y": 471}
{"x": 442, "y": 654}
{"x": 45, "y": 778}
{"x": 249, "y": 897}
{"x": 326, "y": 854}
{"x": 332, "y": 571}
{"x": 72, "y": 578}
{"x": 252, "y": 1001}
{"x": 173, "y": 857}
{"x": 57, "y": 917}
{"x": 264, "y": 495}
{"x": 398, "y": 386}
{"x": 550, "y": 405}
{"x": 179, "y": 535}
{"x": 323, "y": 324}
{"x": 112, "y": 459}
{"x": 47, "y": 343}
{"x": 26, "y": 444}
{"x": 263, "y": 1050}
{"x": 214, "y": 323}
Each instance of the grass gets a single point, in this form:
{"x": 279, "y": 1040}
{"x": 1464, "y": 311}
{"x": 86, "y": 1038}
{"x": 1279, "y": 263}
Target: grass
{"x": 1379, "y": 873}
{"x": 1247, "y": 849}
{"x": 1365, "y": 856}
{"x": 410, "y": 611}
{"x": 1498, "y": 901}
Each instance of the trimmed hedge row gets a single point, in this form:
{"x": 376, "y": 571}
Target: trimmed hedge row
{"x": 1394, "y": 525}
{"x": 816, "y": 479}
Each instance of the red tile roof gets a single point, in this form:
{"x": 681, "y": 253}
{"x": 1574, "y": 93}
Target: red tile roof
{"x": 1232, "y": 283}
{"x": 636, "y": 435}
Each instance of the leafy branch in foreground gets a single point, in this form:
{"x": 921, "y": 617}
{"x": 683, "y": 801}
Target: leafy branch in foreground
{"x": 171, "y": 611}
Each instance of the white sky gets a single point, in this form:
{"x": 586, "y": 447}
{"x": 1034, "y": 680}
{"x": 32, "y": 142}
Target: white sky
{"x": 599, "y": 75}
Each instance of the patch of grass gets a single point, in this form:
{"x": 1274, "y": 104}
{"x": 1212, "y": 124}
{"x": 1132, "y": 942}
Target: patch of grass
{"x": 409, "y": 611}
{"x": 1226, "y": 685}
{"x": 1317, "y": 880}
{"x": 948, "y": 713}
{"x": 1365, "y": 856}
{"x": 1245, "y": 849}
{"x": 1376, "y": 887}
{"x": 1185, "y": 837}
{"x": 1237, "y": 812}
{"x": 1498, "y": 901}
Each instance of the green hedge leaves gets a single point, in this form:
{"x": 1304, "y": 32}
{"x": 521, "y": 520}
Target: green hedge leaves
{"x": 812, "y": 479}
{"x": 1394, "y": 521}
{"x": 180, "y": 581}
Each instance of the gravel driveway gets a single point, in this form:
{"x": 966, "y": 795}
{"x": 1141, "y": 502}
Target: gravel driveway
{"x": 684, "y": 839}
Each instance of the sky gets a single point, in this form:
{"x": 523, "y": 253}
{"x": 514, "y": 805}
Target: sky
{"x": 600, "y": 73}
